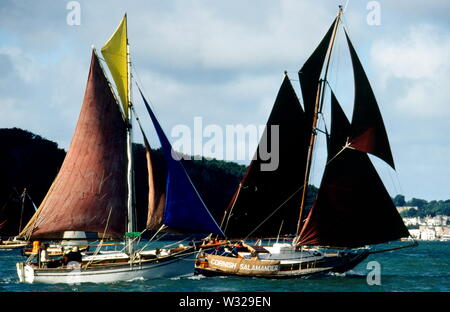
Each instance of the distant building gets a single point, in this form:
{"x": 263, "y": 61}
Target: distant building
{"x": 430, "y": 228}
{"x": 415, "y": 233}
{"x": 428, "y": 234}
{"x": 411, "y": 221}
{"x": 400, "y": 209}
{"x": 436, "y": 221}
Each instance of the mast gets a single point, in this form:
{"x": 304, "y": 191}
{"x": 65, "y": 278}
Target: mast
{"x": 130, "y": 175}
{"x": 317, "y": 109}
{"x": 24, "y": 193}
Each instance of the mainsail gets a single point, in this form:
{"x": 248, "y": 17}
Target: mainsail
{"x": 272, "y": 194}
{"x": 90, "y": 190}
{"x": 353, "y": 208}
{"x": 184, "y": 209}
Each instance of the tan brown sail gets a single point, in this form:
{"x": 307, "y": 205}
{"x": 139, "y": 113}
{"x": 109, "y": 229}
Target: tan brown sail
{"x": 89, "y": 192}
{"x": 156, "y": 192}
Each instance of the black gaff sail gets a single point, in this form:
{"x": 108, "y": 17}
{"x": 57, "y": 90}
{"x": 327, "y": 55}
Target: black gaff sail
{"x": 309, "y": 76}
{"x": 353, "y": 208}
{"x": 267, "y": 200}
{"x": 313, "y": 88}
{"x": 368, "y": 131}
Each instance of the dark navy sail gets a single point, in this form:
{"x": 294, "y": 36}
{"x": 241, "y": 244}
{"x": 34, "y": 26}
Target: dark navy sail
{"x": 184, "y": 209}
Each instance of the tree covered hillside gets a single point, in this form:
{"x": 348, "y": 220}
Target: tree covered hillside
{"x": 29, "y": 161}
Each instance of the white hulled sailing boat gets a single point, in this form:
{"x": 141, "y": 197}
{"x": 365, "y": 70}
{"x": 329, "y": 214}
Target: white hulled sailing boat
{"x": 94, "y": 190}
{"x": 352, "y": 211}
{"x": 12, "y": 219}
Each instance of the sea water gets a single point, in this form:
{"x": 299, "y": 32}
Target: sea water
{"x": 425, "y": 268}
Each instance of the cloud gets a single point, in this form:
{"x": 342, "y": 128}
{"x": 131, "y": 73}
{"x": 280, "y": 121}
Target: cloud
{"x": 419, "y": 65}
{"x": 412, "y": 73}
{"x": 40, "y": 97}
{"x": 230, "y": 37}
{"x": 15, "y": 62}
{"x": 224, "y": 61}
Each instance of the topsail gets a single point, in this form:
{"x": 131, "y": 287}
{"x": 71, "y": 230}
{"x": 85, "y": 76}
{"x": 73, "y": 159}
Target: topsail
{"x": 115, "y": 52}
{"x": 368, "y": 131}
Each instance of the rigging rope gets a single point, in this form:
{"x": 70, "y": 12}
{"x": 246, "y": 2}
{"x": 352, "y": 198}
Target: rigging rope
{"x": 151, "y": 239}
{"x": 99, "y": 246}
{"x": 273, "y": 212}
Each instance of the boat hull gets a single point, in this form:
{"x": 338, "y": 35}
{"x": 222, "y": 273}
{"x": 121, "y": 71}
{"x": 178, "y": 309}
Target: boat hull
{"x": 167, "y": 267}
{"x": 216, "y": 265}
{"x": 13, "y": 246}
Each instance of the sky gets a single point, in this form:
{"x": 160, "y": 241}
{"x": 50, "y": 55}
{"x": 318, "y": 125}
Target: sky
{"x": 223, "y": 61}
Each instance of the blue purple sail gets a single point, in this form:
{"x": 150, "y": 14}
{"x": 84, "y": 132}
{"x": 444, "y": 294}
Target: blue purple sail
{"x": 184, "y": 208}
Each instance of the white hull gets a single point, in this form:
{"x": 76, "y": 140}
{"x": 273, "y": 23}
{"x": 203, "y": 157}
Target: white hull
{"x": 167, "y": 267}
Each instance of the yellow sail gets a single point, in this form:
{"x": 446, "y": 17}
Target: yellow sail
{"x": 116, "y": 57}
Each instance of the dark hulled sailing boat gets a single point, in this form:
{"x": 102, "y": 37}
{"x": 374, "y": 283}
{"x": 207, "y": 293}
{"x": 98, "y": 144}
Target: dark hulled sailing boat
{"x": 93, "y": 191}
{"x": 352, "y": 209}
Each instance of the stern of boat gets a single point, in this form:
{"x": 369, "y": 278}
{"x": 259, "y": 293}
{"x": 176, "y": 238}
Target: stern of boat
{"x": 25, "y": 272}
{"x": 349, "y": 261}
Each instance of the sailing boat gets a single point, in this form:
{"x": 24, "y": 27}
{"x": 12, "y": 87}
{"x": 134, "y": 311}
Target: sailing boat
{"x": 352, "y": 209}
{"x": 11, "y": 221}
{"x": 94, "y": 189}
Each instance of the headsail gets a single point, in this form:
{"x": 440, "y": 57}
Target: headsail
{"x": 184, "y": 209}
{"x": 353, "y": 208}
{"x": 91, "y": 184}
{"x": 273, "y": 194}
{"x": 368, "y": 134}
{"x": 115, "y": 52}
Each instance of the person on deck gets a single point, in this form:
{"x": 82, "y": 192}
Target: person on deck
{"x": 72, "y": 258}
{"x": 43, "y": 258}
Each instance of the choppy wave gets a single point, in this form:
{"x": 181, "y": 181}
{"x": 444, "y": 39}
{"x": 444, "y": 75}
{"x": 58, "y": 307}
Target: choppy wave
{"x": 422, "y": 269}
